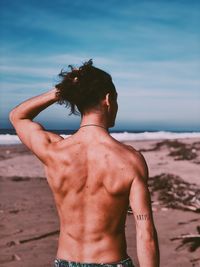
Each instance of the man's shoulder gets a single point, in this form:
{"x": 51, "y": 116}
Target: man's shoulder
{"x": 138, "y": 161}
{"x": 133, "y": 152}
{"x": 130, "y": 151}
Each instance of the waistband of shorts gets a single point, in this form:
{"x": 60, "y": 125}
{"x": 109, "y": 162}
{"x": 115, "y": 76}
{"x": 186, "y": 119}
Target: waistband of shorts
{"x": 120, "y": 263}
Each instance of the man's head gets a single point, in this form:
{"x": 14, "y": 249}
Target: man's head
{"x": 88, "y": 89}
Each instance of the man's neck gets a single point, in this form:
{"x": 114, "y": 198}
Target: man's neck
{"x": 94, "y": 120}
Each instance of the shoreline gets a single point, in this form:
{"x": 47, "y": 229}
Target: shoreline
{"x": 12, "y": 139}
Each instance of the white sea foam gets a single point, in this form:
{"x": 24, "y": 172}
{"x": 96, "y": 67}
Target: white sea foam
{"x": 125, "y": 136}
{"x": 7, "y": 139}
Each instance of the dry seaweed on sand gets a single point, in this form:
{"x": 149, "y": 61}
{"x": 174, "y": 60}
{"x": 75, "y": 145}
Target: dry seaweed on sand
{"x": 16, "y": 242}
{"x": 191, "y": 240}
{"x": 183, "y": 152}
{"x": 173, "y": 192}
{"x": 178, "y": 150}
{"x": 168, "y": 143}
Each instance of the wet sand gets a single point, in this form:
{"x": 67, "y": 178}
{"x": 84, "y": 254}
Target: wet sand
{"x": 29, "y": 224}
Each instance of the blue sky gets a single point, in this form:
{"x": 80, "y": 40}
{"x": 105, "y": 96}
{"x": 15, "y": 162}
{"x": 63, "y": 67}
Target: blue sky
{"x": 151, "y": 49}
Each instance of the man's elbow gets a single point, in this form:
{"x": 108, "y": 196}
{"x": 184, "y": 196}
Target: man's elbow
{"x": 13, "y": 116}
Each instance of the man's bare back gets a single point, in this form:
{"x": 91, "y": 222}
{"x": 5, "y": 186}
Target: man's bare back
{"x": 90, "y": 177}
{"x": 93, "y": 177}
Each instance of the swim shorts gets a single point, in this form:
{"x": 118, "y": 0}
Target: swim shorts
{"x": 64, "y": 263}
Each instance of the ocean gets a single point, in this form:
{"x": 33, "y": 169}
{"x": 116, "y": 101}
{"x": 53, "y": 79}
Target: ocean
{"x": 8, "y": 136}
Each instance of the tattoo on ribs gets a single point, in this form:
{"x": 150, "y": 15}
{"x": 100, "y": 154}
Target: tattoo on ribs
{"x": 142, "y": 217}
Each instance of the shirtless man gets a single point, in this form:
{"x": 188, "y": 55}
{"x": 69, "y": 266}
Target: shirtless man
{"x": 93, "y": 177}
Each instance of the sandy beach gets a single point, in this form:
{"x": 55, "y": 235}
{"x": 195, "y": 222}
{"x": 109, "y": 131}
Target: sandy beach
{"x": 29, "y": 224}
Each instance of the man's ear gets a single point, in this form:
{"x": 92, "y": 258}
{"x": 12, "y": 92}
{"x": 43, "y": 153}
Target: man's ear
{"x": 107, "y": 99}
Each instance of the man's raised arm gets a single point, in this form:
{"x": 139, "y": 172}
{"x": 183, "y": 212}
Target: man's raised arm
{"x": 32, "y": 134}
{"x": 140, "y": 201}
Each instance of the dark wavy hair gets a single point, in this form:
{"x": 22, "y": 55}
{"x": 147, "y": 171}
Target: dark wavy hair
{"x": 82, "y": 89}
